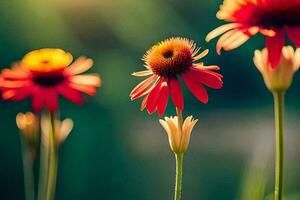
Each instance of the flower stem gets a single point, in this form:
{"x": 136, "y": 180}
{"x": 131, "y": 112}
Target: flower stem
{"x": 279, "y": 171}
{"x": 28, "y": 159}
{"x": 178, "y": 183}
{"x": 43, "y": 176}
{"x": 179, "y": 159}
{"x": 52, "y": 170}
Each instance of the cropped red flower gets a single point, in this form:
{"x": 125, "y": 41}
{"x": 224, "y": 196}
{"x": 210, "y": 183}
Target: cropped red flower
{"x": 165, "y": 62}
{"x": 44, "y": 74}
{"x": 272, "y": 18}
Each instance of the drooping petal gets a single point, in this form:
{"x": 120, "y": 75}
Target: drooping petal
{"x": 51, "y": 100}
{"x": 8, "y": 93}
{"x": 153, "y": 98}
{"x": 15, "y": 83}
{"x": 220, "y": 30}
{"x": 142, "y": 73}
{"x": 163, "y": 98}
{"x": 196, "y": 89}
{"x": 223, "y": 40}
{"x": 144, "y": 103}
{"x": 22, "y": 93}
{"x": 294, "y": 35}
{"x": 9, "y": 74}
{"x": 81, "y": 65}
{"x": 176, "y": 93}
{"x": 38, "y": 99}
{"x": 211, "y": 67}
{"x": 206, "y": 78}
{"x": 90, "y": 90}
{"x": 274, "y": 46}
{"x": 92, "y": 80}
{"x": 70, "y": 93}
{"x": 240, "y": 38}
{"x": 201, "y": 55}
{"x": 143, "y": 88}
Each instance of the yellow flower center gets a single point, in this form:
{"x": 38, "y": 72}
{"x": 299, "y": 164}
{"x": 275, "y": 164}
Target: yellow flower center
{"x": 47, "y": 60}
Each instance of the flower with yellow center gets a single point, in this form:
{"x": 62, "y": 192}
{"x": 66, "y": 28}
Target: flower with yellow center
{"x": 46, "y": 73}
{"x": 281, "y": 77}
{"x": 179, "y": 137}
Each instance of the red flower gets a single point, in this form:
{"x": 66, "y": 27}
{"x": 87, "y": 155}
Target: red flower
{"x": 165, "y": 62}
{"x": 45, "y": 73}
{"x": 272, "y": 18}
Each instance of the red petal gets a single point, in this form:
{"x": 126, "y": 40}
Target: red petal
{"x": 142, "y": 88}
{"x": 144, "y": 103}
{"x": 274, "y": 46}
{"x": 14, "y": 74}
{"x": 38, "y": 99}
{"x": 69, "y": 93}
{"x": 205, "y": 77}
{"x": 22, "y": 93}
{"x": 294, "y": 35}
{"x": 15, "y": 83}
{"x": 163, "y": 98}
{"x": 196, "y": 89}
{"x": 153, "y": 97}
{"x": 176, "y": 93}
{"x": 51, "y": 100}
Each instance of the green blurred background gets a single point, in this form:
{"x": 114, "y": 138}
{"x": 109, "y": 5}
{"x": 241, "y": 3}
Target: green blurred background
{"x": 117, "y": 152}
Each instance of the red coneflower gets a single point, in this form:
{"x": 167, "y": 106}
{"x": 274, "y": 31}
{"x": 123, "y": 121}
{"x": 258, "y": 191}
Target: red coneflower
{"x": 165, "y": 62}
{"x": 45, "y": 73}
{"x": 272, "y": 18}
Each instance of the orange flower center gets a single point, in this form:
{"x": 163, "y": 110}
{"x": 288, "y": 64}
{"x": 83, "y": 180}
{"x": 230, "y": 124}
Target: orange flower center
{"x": 170, "y": 57}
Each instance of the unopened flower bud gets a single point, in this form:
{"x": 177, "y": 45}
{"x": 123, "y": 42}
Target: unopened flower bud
{"x": 179, "y": 139}
{"x": 62, "y": 130}
{"x": 28, "y": 124}
{"x": 280, "y": 77}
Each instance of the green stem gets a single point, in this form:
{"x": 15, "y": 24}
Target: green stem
{"x": 279, "y": 170}
{"x": 43, "y": 176}
{"x": 52, "y": 170}
{"x": 178, "y": 183}
{"x": 27, "y": 156}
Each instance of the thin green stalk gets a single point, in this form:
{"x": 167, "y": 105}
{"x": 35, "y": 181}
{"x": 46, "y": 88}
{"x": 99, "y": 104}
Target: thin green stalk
{"x": 43, "y": 176}
{"x": 178, "y": 183}
{"x": 52, "y": 170}
{"x": 279, "y": 170}
{"x": 28, "y": 160}
{"x": 179, "y": 159}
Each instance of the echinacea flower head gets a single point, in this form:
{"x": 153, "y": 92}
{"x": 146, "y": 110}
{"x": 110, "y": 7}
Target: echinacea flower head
{"x": 280, "y": 78}
{"x": 44, "y": 74}
{"x": 272, "y": 18}
{"x": 165, "y": 63}
{"x": 179, "y": 139}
